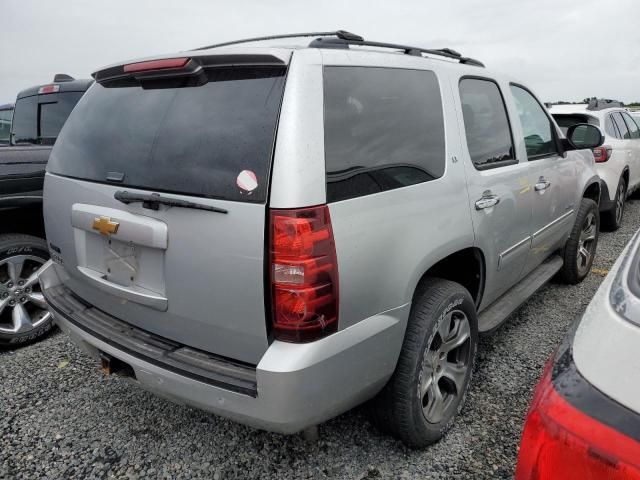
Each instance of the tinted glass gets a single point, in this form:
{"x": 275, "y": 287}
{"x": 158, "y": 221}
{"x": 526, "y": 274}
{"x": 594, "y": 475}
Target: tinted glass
{"x": 536, "y": 126}
{"x": 39, "y": 118}
{"x": 622, "y": 126}
{"x": 486, "y": 123}
{"x": 5, "y": 125}
{"x": 195, "y": 140}
{"x": 384, "y": 129}
{"x": 634, "y": 132}
{"x": 25, "y": 120}
{"x": 54, "y": 114}
{"x": 610, "y": 128}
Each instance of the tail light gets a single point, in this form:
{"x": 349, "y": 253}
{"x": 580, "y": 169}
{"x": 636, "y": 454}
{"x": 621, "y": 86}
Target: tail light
{"x": 601, "y": 154}
{"x": 304, "y": 274}
{"x": 559, "y": 441}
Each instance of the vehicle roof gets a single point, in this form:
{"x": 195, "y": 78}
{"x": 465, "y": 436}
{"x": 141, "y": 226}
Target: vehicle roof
{"x": 583, "y": 110}
{"x": 7, "y": 106}
{"x": 79, "y": 85}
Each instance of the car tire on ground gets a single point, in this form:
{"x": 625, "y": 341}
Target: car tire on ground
{"x": 23, "y": 314}
{"x": 612, "y": 218}
{"x": 580, "y": 249}
{"x": 429, "y": 385}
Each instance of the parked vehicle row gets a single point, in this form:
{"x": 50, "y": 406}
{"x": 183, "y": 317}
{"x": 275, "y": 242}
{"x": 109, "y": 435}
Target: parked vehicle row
{"x": 617, "y": 160}
{"x": 36, "y": 119}
{"x": 277, "y": 234}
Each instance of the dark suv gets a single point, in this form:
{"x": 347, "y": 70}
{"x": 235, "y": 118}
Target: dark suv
{"x": 32, "y": 128}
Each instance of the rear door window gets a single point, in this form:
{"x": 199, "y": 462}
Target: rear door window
{"x": 536, "y": 125}
{"x": 384, "y": 129}
{"x": 486, "y": 124}
{"x": 634, "y": 131}
{"x": 213, "y": 140}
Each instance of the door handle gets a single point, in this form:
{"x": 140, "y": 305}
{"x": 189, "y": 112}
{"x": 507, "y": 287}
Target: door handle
{"x": 487, "y": 200}
{"x": 542, "y": 184}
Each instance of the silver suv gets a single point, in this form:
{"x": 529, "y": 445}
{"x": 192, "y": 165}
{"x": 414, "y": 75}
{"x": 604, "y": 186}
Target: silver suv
{"x": 277, "y": 234}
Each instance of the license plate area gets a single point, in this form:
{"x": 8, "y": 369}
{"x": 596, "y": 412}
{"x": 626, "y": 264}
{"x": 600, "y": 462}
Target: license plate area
{"x": 123, "y": 263}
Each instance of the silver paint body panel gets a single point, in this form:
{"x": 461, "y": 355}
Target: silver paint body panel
{"x": 212, "y": 267}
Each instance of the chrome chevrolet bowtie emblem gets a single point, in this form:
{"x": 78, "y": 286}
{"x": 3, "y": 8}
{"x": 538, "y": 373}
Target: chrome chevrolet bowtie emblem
{"x": 105, "y": 226}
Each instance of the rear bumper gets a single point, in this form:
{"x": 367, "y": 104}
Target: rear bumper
{"x": 296, "y": 385}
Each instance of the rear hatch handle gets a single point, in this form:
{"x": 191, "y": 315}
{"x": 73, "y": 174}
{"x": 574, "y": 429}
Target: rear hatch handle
{"x": 154, "y": 200}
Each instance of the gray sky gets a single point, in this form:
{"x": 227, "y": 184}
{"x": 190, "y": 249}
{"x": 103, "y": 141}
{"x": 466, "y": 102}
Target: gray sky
{"x": 563, "y": 49}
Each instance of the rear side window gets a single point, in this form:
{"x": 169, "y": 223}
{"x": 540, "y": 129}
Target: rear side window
{"x": 634, "y": 132}
{"x": 384, "y": 129}
{"x": 38, "y": 119}
{"x": 5, "y": 125}
{"x": 622, "y": 127}
{"x": 536, "y": 125}
{"x": 486, "y": 124}
{"x": 213, "y": 140}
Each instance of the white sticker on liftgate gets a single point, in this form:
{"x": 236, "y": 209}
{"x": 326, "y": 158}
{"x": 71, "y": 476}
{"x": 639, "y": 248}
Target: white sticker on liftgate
{"x": 247, "y": 181}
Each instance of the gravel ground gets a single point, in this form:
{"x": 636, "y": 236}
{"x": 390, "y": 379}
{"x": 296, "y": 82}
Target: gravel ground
{"x": 60, "y": 418}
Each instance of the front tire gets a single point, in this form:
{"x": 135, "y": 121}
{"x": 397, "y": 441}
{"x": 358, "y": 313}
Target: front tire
{"x": 580, "y": 248}
{"x": 612, "y": 218}
{"x": 24, "y": 317}
{"x": 429, "y": 386}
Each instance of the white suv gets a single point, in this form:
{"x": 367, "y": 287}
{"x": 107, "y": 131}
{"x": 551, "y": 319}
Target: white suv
{"x": 618, "y": 160}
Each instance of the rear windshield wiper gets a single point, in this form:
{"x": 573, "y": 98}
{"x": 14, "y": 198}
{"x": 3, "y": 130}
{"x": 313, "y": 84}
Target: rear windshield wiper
{"x": 154, "y": 200}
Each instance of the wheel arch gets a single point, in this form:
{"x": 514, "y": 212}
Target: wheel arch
{"x": 592, "y": 190}
{"x": 465, "y": 266}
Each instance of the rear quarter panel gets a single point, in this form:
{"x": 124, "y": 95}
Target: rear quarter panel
{"x": 385, "y": 242}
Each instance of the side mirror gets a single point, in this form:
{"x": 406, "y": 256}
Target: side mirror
{"x": 584, "y": 136}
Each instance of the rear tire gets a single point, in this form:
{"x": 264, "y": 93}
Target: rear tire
{"x": 23, "y": 314}
{"x": 580, "y": 249}
{"x": 428, "y": 388}
{"x": 612, "y": 218}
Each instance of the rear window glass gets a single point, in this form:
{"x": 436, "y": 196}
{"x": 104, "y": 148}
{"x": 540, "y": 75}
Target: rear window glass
{"x": 39, "y": 118}
{"x": 214, "y": 140}
{"x": 384, "y": 129}
{"x": 565, "y": 121}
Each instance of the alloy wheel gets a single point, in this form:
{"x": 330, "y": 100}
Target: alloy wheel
{"x": 620, "y": 203}
{"x": 444, "y": 367}
{"x": 22, "y": 305}
{"x": 586, "y": 243}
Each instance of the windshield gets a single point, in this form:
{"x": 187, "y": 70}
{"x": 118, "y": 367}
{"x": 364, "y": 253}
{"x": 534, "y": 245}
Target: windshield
{"x": 38, "y": 119}
{"x": 5, "y": 125}
{"x": 214, "y": 140}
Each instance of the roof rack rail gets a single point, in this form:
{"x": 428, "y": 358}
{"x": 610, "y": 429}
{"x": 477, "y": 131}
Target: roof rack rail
{"x": 417, "y": 51}
{"x": 341, "y": 34}
{"x": 602, "y": 103}
{"x": 343, "y": 39}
